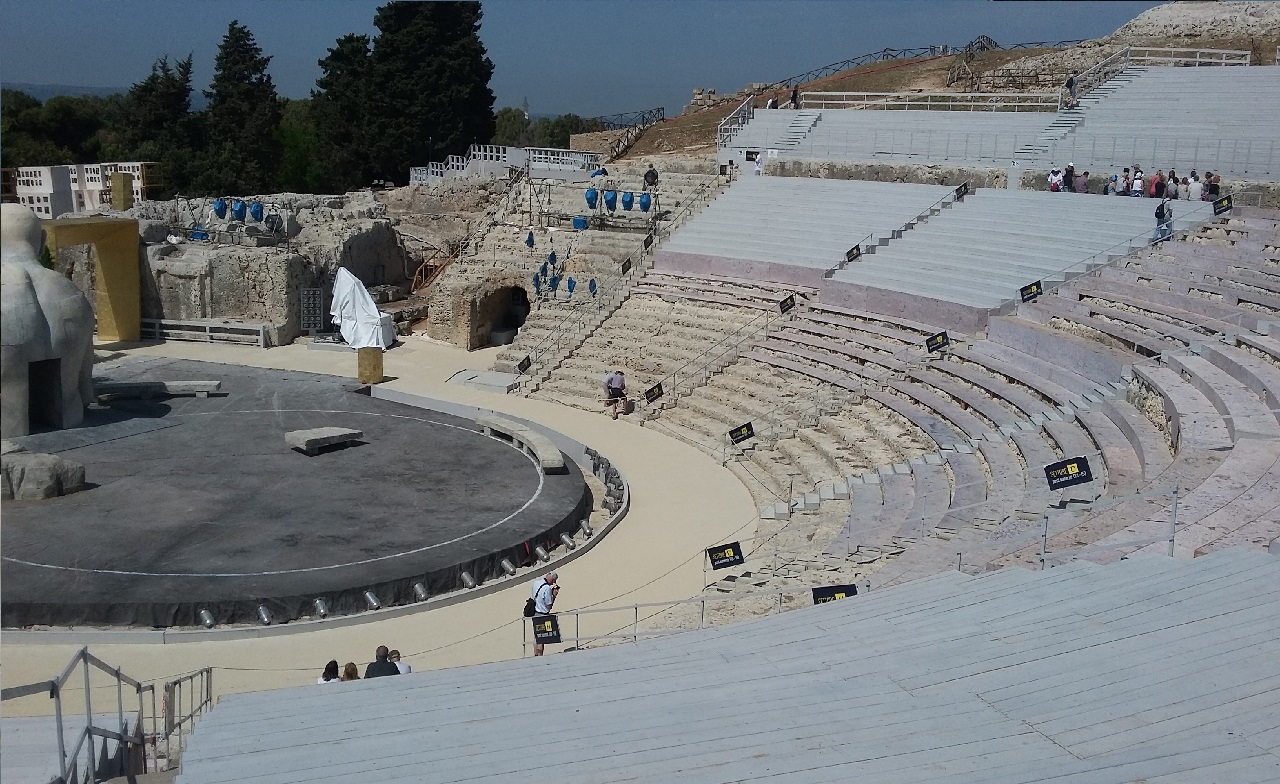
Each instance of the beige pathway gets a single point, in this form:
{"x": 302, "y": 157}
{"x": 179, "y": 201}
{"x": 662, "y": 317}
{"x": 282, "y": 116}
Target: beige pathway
{"x": 682, "y": 502}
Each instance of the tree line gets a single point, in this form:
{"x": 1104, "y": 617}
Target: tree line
{"x": 416, "y": 91}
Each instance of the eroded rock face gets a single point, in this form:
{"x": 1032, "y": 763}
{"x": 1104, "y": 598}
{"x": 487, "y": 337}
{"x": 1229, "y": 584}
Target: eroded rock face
{"x": 1201, "y": 20}
{"x": 32, "y": 476}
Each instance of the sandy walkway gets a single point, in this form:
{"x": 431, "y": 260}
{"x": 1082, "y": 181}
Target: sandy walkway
{"x": 682, "y": 502}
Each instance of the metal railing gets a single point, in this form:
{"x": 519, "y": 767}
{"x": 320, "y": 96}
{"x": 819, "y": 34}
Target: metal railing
{"x": 551, "y": 157}
{"x": 1103, "y": 257}
{"x": 1252, "y": 155}
{"x": 902, "y": 54}
{"x": 950, "y": 102}
{"x": 186, "y": 698}
{"x": 738, "y": 118}
{"x": 633, "y": 610}
{"x": 194, "y": 690}
{"x": 1093, "y": 77}
{"x": 698, "y": 370}
{"x": 1155, "y": 55}
{"x": 642, "y": 118}
{"x": 69, "y": 761}
{"x": 613, "y": 292}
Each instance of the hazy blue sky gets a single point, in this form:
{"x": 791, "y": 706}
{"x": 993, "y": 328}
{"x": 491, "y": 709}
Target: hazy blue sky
{"x": 590, "y": 57}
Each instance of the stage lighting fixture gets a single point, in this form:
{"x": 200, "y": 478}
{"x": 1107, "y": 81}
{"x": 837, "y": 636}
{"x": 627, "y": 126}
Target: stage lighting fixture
{"x": 322, "y": 609}
{"x": 568, "y": 541}
{"x": 468, "y": 581}
{"x": 508, "y": 567}
{"x": 542, "y": 553}
{"x": 206, "y": 618}
{"x": 372, "y": 600}
{"x": 264, "y": 615}
{"x": 585, "y": 528}
{"x": 420, "y": 592}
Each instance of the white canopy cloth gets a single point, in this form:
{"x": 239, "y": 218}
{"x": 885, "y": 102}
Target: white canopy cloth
{"x": 358, "y": 319}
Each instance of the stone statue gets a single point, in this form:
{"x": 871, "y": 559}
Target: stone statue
{"x": 46, "y": 333}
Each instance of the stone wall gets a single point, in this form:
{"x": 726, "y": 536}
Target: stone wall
{"x": 464, "y": 312}
{"x": 927, "y": 174}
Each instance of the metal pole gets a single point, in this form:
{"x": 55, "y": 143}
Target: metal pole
{"x": 702, "y": 621}
{"x": 635, "y": 625}
{"x": 62, "y": 746}
{"x": 88, "y": 716}
{"x": 1044, "y": 541}
{"x": 142, "y": 737}
{"x": 120, "y": 715}
{"x": 577, "y": 628}
{"x": 959, "y": 560}
{"x": 1173, "y": 522}
{"x": 524, "y": 639}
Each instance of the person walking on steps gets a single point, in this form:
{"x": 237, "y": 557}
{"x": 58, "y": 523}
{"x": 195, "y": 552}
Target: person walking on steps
{"x": 543, "y": 591}
{"x": 1071, "y": 90}
{"x": 651, "y": 178}
{"x": 795, "y": 97}
{"x": 1164, "y": 222}
{"x": 615, "y": 392}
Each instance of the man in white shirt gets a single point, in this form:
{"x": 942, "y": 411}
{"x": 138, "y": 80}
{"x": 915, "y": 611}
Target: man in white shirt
{"x": 543, "y": 591}
{"x": 1195, "y": 189}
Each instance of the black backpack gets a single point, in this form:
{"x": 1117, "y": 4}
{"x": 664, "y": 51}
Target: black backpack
{"x": 1160, "y": 212}
{"x": 530, "y": 609}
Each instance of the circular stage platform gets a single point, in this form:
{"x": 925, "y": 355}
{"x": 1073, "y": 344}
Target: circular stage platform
{"x": 199, "y": 504}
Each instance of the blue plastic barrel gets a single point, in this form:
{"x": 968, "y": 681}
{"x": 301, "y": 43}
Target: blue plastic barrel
{"x": 645, "y": 201}
{"x": 628, "y": 199}
{"x": 611, "y": 200}
{"x": 592, "y": 196}
{"x": 220, "y": 208}
{"x": 255, "y": 211}
{"x": 571, "y": 284}
{"x": 580, "y": 223}
{"x": 238, "y": 209}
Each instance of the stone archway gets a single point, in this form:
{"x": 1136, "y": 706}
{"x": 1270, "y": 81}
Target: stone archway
{"x": 499, "y": 316}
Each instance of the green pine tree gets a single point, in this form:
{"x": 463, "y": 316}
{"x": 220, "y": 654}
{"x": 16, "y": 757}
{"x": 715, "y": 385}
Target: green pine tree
{"x": 431, "y": 95}
{"x": 338, "y": 111}
{"x": 241, "y": 140}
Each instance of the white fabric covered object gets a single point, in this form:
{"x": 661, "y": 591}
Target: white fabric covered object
{"x": 357, "y": 317}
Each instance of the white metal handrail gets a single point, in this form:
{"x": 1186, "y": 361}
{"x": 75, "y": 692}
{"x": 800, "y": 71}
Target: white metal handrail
{"x": 1092, "y": 264}
{"x": 635, "y": 634}
{"x": 735, "y": 121}
{"x": 1094, "y": 76}
{"x": 1160, "y": 55}
{"x": 1000, "y": 102}
{"x": 574, "y": 322}
{"x": 67, "y": 761}
{"x": 673, "y": 382}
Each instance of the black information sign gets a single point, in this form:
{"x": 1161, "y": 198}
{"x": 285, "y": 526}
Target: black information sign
{"x": 962, "y": 191}
{"x": 1068, "y": 473}
{"x": 723, "y": 556}
{"x": 545, "y": 629}
{"x": 1031, "y": 291}
{"x": 653, "y": 393}
{"x": 626, "y": 266}
{"x": 1222, "y": 205}
{"x": 937, "y": 342}
{"x": 829, "y": 593}
{"x": 525, "y": 364}
{"x": 648, "y": 240}
{"x": 853, "y": 254}
{"x": 787, "y": 303}
{"x": 751, "y": 155}
{"x": 742, "y": 433}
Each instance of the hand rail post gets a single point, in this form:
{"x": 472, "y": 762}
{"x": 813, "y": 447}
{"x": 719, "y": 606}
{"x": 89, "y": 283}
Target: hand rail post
{"x": 88, "y": 715}
{"x": 62, "y": 744}
{"x": 120, "y": 714}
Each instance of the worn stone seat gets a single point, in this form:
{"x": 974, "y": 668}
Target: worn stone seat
{"x": 550, "y": 458}
{"x": 311, "y": 442}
